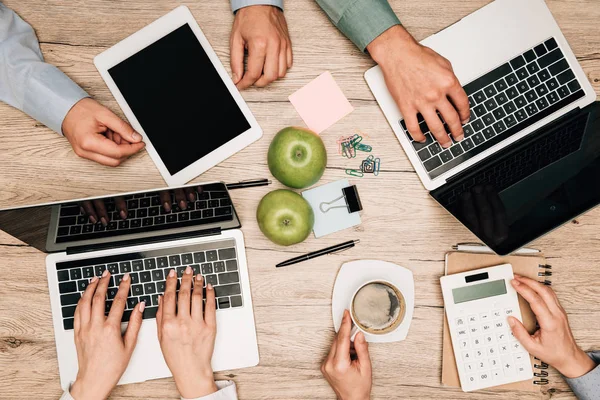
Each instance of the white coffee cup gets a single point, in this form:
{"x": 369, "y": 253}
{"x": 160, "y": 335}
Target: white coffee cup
{"x": 377, "y": 290}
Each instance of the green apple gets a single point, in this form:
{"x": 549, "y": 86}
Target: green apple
{"x": 285, "y": 217}
{"x": 297, "y": 157}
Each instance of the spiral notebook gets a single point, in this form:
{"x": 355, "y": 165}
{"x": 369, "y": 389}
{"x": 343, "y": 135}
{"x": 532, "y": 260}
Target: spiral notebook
{"x": 531, "y": 266}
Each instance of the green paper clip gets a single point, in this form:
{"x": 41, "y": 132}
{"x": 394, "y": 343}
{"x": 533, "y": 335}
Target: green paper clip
{"x": 364, "y": 147}
{"x": 356, "y": 139}
{"x": 355, "y": 172}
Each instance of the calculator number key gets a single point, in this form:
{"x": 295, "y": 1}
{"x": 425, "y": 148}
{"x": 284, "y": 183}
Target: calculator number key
{"x": 485, "y": 377}
{"x": 470, "y": 368}
{"x": 476, "y": 342}
{"x": 467, "y": 355}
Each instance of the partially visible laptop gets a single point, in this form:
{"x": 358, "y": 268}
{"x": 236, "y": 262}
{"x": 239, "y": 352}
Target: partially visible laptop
{"x": 524, "y": 83}
{"x": 146, "y": 244}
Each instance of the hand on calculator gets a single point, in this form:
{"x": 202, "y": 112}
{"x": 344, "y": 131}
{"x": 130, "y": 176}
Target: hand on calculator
{"x": 349, "y": 378}
{"x": 553, "y": 343}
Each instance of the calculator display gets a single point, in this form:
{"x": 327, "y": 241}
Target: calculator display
{"x": 480, "y": 291}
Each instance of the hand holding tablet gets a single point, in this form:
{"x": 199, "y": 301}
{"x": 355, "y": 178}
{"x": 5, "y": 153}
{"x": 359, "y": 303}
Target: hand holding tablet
{"x": 176, "y": 93}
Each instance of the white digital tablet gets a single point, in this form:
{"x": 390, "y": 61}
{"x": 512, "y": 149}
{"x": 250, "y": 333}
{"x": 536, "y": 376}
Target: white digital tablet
{"x": 175, "y": 92}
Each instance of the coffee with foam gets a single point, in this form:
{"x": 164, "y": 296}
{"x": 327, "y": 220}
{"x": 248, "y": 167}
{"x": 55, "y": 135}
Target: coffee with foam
{"x": 378, "y": 307}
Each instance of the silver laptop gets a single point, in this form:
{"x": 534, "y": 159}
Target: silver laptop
{"x": 147, "y": 243}
{"x": 519, "y": 73}
{"x": 532, "y": 145}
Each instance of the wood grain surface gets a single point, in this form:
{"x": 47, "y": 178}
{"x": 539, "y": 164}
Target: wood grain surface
{"x": 401, "y": 223}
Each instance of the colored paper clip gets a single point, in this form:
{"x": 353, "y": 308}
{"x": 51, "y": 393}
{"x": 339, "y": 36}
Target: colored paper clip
{"x": 348, "y": 150}
{"x": 364, "y": 147}
{"x": 376, "y": 166}
{"x": 355, "y": 172}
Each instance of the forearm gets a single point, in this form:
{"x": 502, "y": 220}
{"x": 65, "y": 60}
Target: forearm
{"x": 237, "y": 4}
{"x": 361, "y": 21}
{"x": 587, "y": 386}
{"x": 28, "y": 83}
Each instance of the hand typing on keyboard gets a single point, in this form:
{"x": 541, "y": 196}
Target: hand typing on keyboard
{"x": 421, "y": 82}
{"x": 187, "y": 334}
{"x": 102, "y": 352}
{"x": 553, "y": 342}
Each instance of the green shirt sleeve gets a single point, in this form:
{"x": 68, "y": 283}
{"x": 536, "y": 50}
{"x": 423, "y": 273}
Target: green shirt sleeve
{"x": 360, "y": 20}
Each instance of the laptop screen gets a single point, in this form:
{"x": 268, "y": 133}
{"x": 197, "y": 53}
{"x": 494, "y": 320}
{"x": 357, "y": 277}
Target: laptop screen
{"x": 88, "y": 222}
{"x": 532, "y": 187}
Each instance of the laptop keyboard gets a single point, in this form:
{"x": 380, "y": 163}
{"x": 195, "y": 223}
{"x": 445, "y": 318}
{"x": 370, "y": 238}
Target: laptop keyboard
{"x": 503, "y": 102}
{"x": 144, "y": 213}
{"x": 534, "y": 157}
{"x": 216, "y": 261}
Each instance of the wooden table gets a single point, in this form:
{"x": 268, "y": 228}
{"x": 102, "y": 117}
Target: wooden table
{"x": 401, "y": 223}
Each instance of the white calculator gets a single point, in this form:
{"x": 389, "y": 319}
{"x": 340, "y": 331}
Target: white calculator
{"x": 477, "y": 306}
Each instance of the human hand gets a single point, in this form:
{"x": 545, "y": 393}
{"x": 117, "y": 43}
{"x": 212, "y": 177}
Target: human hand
{"x": 350, "y": 379}
{"x": 102, "y": 352}
{"x": 96, "y": 211}
{"x": 553, "y": 343}
{"x": 187, "y": 335}
{"x": 262, "y": 30}
{"x": 99, "y": 135}
{"x": 421, "y": 81}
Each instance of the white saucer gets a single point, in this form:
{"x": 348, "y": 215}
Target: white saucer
{"x": 354, "y": 274}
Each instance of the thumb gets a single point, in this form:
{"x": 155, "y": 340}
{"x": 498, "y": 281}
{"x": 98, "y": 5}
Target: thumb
{"x": 521, "y": 334}
{"x": 237, "y": 58}
{"x": 362, "y": 351}
{"x": 135, "y": 322}
{"x": 116, "y": 124}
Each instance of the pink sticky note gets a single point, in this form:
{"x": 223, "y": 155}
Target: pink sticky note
{"x": 321, "y": 103}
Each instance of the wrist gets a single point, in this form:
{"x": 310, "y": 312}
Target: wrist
{"x": 83, "y": 391}
{"x": 577, "y": 365}
{"x": 193, "y": 386}
{"x": 393, "y": 41}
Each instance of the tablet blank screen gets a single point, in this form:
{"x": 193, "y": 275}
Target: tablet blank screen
{"x": 179, "y": 99}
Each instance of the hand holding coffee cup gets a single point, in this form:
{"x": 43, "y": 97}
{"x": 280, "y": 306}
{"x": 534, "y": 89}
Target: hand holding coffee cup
{"x": 377, "y": 308}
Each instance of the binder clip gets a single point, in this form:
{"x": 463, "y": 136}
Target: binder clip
{"x": 350, "y": 196}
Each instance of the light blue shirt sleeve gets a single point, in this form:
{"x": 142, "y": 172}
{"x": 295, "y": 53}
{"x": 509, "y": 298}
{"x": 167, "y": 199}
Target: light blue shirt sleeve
{"x": 227, "y": 391}
{"x": 28, "y": 83}
{"x": 587, "y": 387}
{"x": 237, "y": 4}
{"x": 361, "y": 21}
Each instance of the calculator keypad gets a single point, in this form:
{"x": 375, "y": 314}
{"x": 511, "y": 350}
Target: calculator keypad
{"x": 488, "y": 352}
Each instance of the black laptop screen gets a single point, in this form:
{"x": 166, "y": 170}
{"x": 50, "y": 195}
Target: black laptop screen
{"x": 115, "y": 219}
{"x": 532, "y": 187}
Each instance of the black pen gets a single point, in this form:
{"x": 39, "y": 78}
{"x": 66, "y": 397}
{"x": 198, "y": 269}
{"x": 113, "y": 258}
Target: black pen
{"x": 319, "y": 253}
{"x": 248, "y": 184}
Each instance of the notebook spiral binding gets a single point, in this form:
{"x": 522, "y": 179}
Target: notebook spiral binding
{"x": 541, "y": 366}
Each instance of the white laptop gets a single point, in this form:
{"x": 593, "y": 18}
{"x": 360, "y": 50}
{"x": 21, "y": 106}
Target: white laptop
{"x": 146, "y": 244}
{"x": 176, "y": 93}
{"x": 533, "y": 128}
